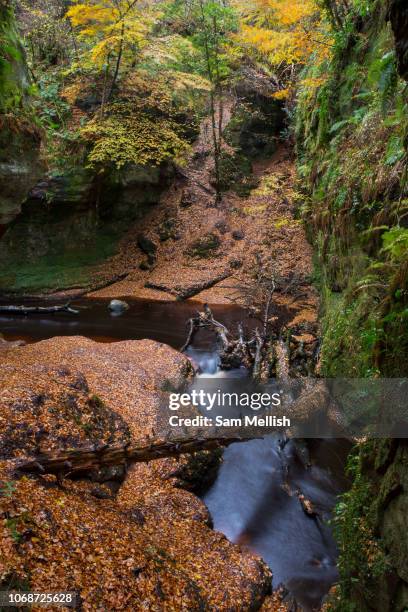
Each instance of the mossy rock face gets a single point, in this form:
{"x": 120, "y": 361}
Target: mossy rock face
{"x": 71, "y": 223}
{"x": 20, "y": 165}
{"x": 255, "y": 126}
{"x": 236, "y": 174}
{"x": 14, "y": 80}
{"x": 205, "y": 247}
{"x": 252, "y": 133}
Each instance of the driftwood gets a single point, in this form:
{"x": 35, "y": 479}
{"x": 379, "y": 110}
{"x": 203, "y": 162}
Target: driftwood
{"x": 69, "y": 462}
{"x": 234, "y": 351}
{"x": 205, "y": 320}
{"x": 27, "y": 310}
{"x": 184, "y": 293}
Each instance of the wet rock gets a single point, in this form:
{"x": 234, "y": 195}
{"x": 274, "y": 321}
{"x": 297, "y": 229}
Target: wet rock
{"x": 146, "y": 245}
{"x": 236, "y": 264}
{"x": 204, "y": 247}
{"x": 238, "y": 235}
{"x": 118, "y": 306}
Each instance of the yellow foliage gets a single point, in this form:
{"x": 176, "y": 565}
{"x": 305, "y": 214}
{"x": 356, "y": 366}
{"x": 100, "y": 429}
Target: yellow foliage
{"x": 128, "y": 137}
{"x": 71, "y": 92}
{"x": 284, "y": 32}
{"x": 282, "y": 94}
{"x": 110, "y": 27}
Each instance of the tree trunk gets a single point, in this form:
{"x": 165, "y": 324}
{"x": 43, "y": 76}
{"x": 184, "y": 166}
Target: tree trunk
{"x": 88, "y": 459}
{"x": 118, "y": 62}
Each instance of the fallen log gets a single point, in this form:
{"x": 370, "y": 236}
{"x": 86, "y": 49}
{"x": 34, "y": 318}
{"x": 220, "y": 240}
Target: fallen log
{"x": 27, "y": 310}
{"x": 82, "y": 460}
{"x": 185, "y": 293}
{"x": 313, "y": 400}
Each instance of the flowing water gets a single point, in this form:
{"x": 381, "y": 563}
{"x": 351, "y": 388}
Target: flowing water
{"x": 254, "y": 500}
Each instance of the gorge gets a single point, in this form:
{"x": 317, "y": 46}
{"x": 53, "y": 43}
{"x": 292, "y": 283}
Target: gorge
{"x": 237, "y": 175}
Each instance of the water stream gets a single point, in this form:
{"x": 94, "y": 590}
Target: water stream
{"x": 254, "y": 499}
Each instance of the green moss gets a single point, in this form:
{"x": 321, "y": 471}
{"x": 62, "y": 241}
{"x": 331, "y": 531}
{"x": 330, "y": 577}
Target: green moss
{"x": 362, "y": 561}
{"x": 14, "y": 83}
{"x": 236, "y": 174}
{"x": 351, "y": 128}
{"x": 204, "y": 247}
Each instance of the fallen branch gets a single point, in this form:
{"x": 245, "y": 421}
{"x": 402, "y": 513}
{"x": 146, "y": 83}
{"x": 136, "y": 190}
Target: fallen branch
{"x": 184, "y": 293}
{"x": 205, "y": 320}
{"x": 73, "y": 461}
{"x": 27, "y": 310}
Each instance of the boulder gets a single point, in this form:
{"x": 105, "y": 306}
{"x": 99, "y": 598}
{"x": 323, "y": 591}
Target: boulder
{"x": 150, "y": 542}
{"x": 118, "y": 306}
{"x": 146, "y": 245}
{"x": 238, "y": 235}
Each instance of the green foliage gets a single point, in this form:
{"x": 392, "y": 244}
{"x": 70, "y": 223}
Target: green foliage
{"x": 361, "y": 558}
{"x": 349, "y": 329}
{"x": 387, "y": 80}
{"x": 214, "y": 21}
{"x": 395, "y": 150}
{"x": 14, "y": 83}
{"x": 52, "y": 110}
{"x": 351, "y": 129}
{"x": 7, "y": 489}
{"x": 395, "y": 243}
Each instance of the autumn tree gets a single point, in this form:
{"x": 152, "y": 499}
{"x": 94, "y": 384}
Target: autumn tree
{"x": 283, "y": 34}
{"x": 111, "y": 31}
{"x": 215, "y": 20}
{"x": 47, "y": 34}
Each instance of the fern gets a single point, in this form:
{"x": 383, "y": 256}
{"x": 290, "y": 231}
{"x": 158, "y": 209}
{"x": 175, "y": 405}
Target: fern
{"x": 388, "y": 81}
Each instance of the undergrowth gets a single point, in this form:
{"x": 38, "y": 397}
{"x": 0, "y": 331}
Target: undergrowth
{"x": 352, "y": 132}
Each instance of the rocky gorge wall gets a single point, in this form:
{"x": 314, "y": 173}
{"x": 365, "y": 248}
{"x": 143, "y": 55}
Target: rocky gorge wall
{"x": 20, "y": 136}
{"x": 56, "y": 224}
{"x": 351, "y": 130}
